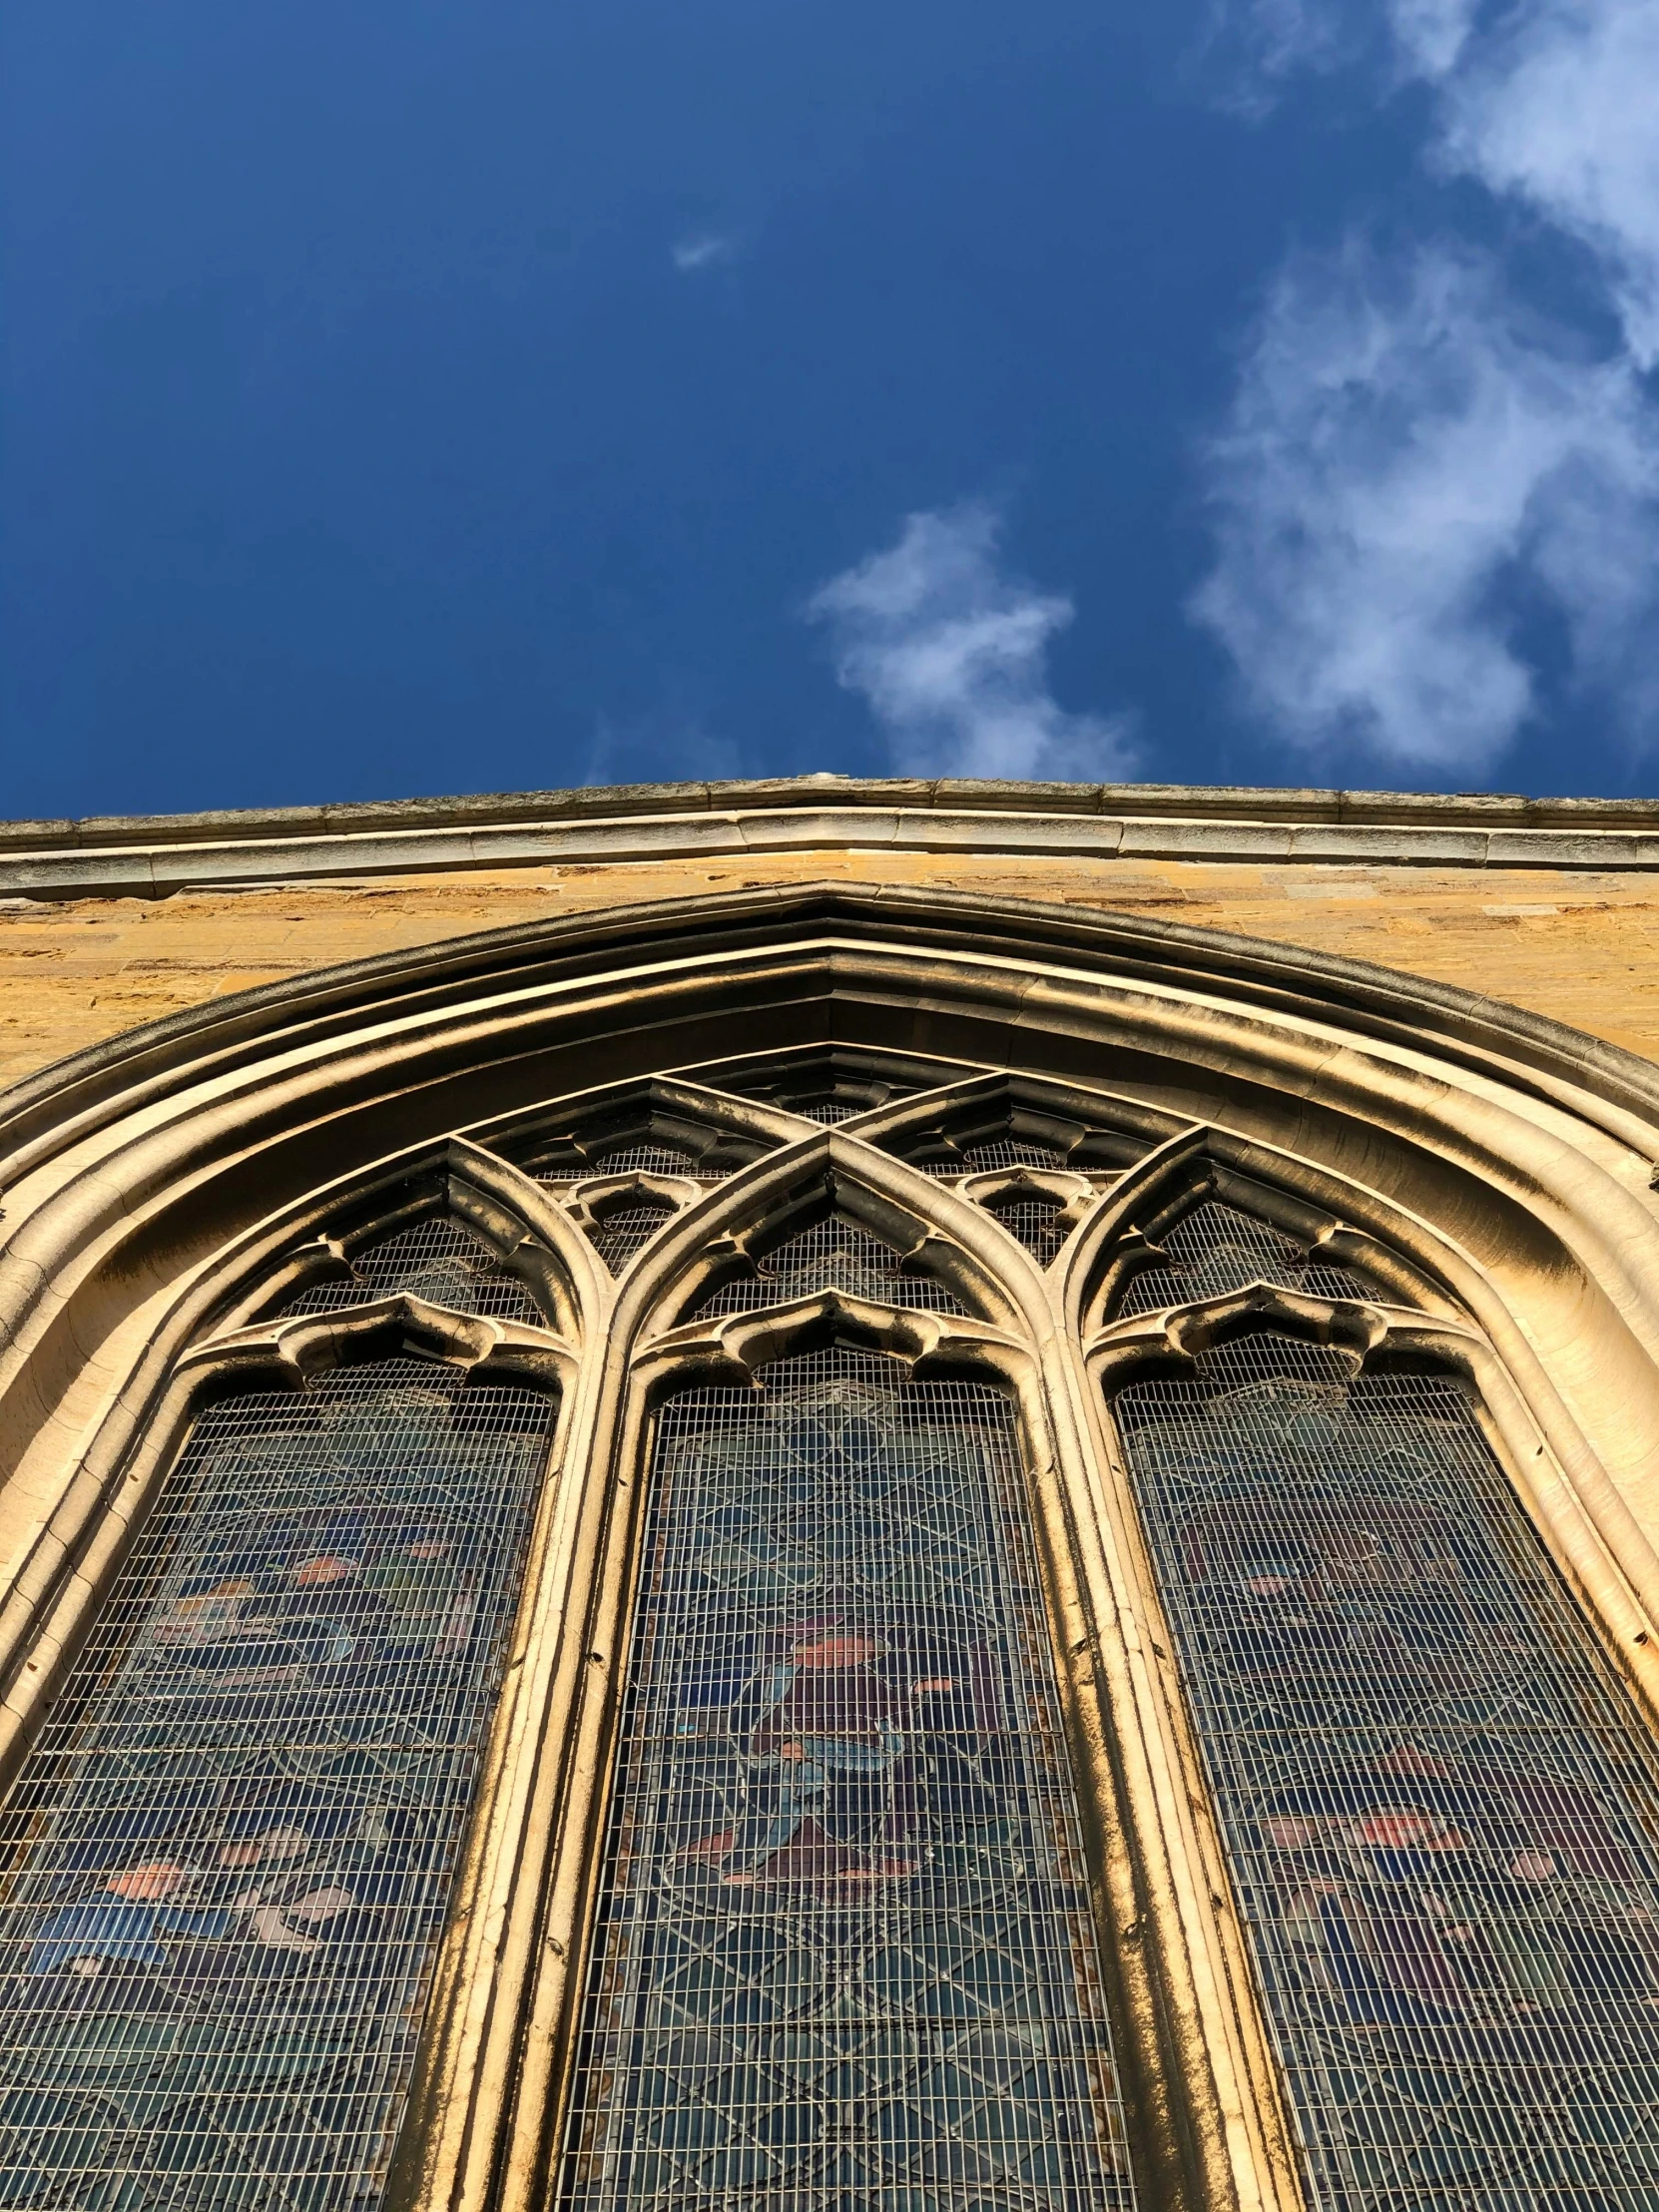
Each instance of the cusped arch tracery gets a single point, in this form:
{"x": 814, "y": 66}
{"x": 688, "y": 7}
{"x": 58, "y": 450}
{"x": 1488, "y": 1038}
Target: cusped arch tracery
{"x": 1475, "y": 1211}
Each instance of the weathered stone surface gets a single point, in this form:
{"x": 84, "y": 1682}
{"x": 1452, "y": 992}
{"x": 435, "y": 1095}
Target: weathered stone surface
{"x": 1578, "y": 944}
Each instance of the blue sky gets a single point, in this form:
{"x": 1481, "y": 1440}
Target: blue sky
{"x": 489, "y": 395}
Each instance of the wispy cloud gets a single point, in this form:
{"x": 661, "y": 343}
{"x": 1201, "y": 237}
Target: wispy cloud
{"x": 1559, "y": 107}
{"x": 705, "y": 250}
{"x": 1402, "y": 459}
{"x": 1412, "y": 455}
{"x": 951, "y": 652}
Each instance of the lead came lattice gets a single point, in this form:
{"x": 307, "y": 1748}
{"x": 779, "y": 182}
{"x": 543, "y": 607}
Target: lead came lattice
{"x": 231, "y": 1850}
{"x": 1439, "y": 1808}
{"x": 844, "y": 1959}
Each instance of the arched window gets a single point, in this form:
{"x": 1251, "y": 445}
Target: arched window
{"x": 1040, "y": 1596}
{"x": 844, "y": 1947}
{"x": 234, "y": 1844}
{"x": 1441, "y": 1813}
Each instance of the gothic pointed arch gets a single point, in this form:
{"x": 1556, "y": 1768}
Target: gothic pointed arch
{"x": 1116, "y": 1168}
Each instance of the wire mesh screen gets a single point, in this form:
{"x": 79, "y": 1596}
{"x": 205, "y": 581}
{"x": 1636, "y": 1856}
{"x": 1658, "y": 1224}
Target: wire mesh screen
{"x": 844, "y": 1959}
{"x": 832, "y": 1255}
{"x": 229, "y": 1852}
{"x": 620, "y": 1235}
{"x": 1037, "y": 1222}
{"x": 828, "y": 1110}
{"x": 436, "y": 1259}
{"x": 653, "y": 1159}
{"x": 1439, "y": 1805}
{"x": 996, "y": 1152}
{"x": 1215, "y": 1249}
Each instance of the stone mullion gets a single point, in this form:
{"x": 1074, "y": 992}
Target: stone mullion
{"x": 1181, "y": 1952}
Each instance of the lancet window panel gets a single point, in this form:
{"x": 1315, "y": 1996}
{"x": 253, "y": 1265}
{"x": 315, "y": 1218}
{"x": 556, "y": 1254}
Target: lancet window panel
{"x": 436, "y": 1259}
{"x": 1215, "y": 1249}
{"x": 229, "y": 1852}
{"x": 843, "y": 1953}
{"x": 831, "y": 1255}
{"x": 1440, "y": 1805}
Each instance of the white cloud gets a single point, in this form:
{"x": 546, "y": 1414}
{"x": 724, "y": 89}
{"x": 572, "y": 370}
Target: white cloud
{"x": 707, "y": 249}
{"x": 1550, "y": 102}
{"x": 1401, "y": 459}
{"x": 1559, "y": 106}
{"x": 1410, "y": 457}
{"x": 951, "y": 654}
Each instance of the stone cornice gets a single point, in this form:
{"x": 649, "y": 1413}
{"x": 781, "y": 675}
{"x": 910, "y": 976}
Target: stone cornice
{"x": 151, "y": 856}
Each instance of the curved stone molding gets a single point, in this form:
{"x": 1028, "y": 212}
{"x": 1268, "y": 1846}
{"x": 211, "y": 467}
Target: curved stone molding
{"x": 827, "y": 1171}
{"x": 736, "y": 1347}
{"x": 678, "y": 1113}
{"x": 285, "y": 1355}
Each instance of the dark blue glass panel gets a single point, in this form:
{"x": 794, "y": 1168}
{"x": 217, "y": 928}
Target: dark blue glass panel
{"x": 230, "y": 1851}
{"x": 1440, "y": 1805}
{"x": 844, "y": 1957}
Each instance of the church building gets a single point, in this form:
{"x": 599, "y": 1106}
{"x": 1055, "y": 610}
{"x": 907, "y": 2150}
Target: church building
{"x": 832, "y": 1496}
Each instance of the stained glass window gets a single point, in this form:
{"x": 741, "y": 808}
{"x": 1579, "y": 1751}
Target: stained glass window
{"x": 832, "y": 1255}
{"x": 1439, "y": 1806}
{"x": 843, "y": 1958}
{"x": 436, "y": 1259}
{"x": 1215, "y": 1249}
{"x": 229, "y": 1852}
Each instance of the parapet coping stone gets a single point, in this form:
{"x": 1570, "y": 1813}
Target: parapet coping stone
{"x": 158, "y": 856}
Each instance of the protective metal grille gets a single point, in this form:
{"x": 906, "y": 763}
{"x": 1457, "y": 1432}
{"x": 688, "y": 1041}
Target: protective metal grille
{"x": 436, "y": 1259}
{"x": 832, "y": 1255}
{"x": 1215, "y": 1249}
{"x": 844, "y": 1961}
{"x": 229, "y": 1854}
{"x": 996, "y": 1152}
{"x": 619, "y": 1236}
{"x": 828, "y": 1110}
{"x": 1036, "y": 1222}
{"x": 654, "y": 1159}
{"x": 1440, "y": 1807}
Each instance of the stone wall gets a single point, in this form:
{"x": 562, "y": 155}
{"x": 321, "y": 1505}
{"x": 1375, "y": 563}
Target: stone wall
{"x": 1580, "y": 944}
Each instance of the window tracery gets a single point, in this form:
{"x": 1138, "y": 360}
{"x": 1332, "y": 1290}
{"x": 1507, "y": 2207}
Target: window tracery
{"x": 1216, "y": 1248}
{"x": 651, "y": 1158}
{"x": 899, "y": 2100}
{"x": 436, "y": 1259}
{"x": 846, "y": 1952}
{"x": 1035, "y": 1217}
{"x": 828, "y": 1255}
